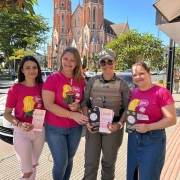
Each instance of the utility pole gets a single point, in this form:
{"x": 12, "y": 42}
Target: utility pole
{"x": 45, "y": 63}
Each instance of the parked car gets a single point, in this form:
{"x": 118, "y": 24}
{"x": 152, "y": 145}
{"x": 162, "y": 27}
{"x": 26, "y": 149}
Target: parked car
{"x": 155, "y": 72}
{"x": 128, "y": 71}
{"x": 88, "y": 74}
{"x": 45, "y": 74}
{"x": 162, "y": 72}
{"x": 6, "y": 128}
{"x": 128, "y": 78}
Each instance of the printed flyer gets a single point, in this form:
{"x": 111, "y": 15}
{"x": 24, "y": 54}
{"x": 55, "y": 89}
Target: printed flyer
{"x": 131, "y": 120}
{"x": 106, "y": 117}
{"x": 38, "y": 119}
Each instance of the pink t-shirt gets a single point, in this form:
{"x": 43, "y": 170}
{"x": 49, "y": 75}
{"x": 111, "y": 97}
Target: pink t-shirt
{"x": 24, "y": 100}
{"x": 148, "y": 103}
{"x": 59, "y": 84}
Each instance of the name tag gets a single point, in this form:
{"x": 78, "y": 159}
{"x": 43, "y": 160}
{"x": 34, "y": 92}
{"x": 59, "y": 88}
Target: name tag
{"x": 142, "y": 117}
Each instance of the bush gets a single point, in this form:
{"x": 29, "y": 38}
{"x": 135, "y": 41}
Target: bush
{"x": 160, "y": 81}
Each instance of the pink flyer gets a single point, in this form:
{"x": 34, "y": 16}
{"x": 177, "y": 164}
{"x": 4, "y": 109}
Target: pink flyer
{"x": 38, "y": 119}
{"x": 106, "y": 117}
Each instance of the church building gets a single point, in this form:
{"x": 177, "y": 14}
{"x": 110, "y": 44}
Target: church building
{"x": 85, "y": 28}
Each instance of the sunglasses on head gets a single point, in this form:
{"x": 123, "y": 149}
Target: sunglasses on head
{"x": 109, "y": 62}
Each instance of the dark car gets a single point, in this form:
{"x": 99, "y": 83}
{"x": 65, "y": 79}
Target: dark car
{"x": 128, "y": 78}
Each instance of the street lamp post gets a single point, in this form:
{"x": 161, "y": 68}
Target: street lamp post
{"x": 170, "y": 66}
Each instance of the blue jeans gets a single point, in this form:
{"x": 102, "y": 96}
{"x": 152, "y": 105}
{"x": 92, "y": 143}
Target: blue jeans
{"x": 63, "y": 143}
{"x": 147, "y": 151}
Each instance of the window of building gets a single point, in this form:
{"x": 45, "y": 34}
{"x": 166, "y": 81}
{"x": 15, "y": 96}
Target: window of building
{"x": 62, "y": 20}
{"x": 95, "y": 48}
{"x": 88, "y": 14}
{"x": 94, "y": 14}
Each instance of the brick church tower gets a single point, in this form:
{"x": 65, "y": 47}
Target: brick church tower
{"x": 85, "y": 28}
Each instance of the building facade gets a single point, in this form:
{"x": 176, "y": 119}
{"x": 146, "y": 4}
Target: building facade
{"x": 85, "y": 28}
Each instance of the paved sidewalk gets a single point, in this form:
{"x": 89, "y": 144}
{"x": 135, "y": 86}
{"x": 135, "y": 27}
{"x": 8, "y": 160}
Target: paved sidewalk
{"x": 9, "y": 168}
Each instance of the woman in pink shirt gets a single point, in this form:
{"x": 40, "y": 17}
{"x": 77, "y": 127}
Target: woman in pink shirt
{"x": 155, "y": 110}
{"x": 24, "y": 97}
{"x": 64, "y": 119}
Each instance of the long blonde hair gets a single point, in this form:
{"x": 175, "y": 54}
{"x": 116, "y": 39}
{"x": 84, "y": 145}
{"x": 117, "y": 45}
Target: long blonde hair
{"x": 78, "y": 75}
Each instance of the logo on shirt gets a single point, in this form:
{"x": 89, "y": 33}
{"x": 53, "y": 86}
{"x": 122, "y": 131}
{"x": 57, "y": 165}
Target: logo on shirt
{"x": 30, "y": 103}
{"x": 143, "y": 103}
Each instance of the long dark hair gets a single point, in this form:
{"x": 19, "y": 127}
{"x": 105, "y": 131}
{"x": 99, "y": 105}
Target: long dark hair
{"x": 78, "y": 75}
{"x": 21, "y": 76}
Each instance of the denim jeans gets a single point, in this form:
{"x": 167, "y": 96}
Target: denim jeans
{"x": 147, "y": 151}
{"x": 63, "y": 143}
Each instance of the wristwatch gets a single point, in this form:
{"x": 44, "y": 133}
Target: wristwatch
{"x": 121, "y": 124}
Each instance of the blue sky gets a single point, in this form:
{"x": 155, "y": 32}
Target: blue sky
{"x": 140, "y": 14}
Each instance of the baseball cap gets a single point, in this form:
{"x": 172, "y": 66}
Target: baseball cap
{"x": 107, "y": 53}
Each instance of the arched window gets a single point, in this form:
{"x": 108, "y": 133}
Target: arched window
{"x": 94, "y": 18}
{"x": 62, "y": 20}
{"x": 94, "y": 15}
{"x": 94, "y": 48}
{"x": 88, "y": 14}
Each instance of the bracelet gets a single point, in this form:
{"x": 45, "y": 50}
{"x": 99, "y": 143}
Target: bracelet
{"x": 67, "y": 115}
{"x": 121, "y": 124}
{"x": 17, "y": 123}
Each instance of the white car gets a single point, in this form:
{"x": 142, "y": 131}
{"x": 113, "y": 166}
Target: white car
{"x": 45, "y": 74}
{"x": 162, "y": 72}
{"x": 155, "y": 72}
{"x": 6, "y": 128}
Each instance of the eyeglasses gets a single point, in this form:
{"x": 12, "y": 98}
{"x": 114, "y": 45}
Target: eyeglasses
{"x": 109, "y": 62}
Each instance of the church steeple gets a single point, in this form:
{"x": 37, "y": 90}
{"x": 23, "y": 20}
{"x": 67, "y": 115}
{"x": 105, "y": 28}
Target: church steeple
{"x": 62, "y": 15}
{"x": 93, "y": 13}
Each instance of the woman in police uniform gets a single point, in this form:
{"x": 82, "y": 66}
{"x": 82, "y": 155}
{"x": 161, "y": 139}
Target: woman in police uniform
{"x": 111, "y": 92}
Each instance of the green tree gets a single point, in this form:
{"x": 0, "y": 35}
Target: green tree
{"x": 19, "y": 31}
{"x": 22, "y": 5}
{"x": 177, "y": 58}
{"x": 93, "y": 62}
{"x": 132, "y": 47}
{"x": 84, "y": 62}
